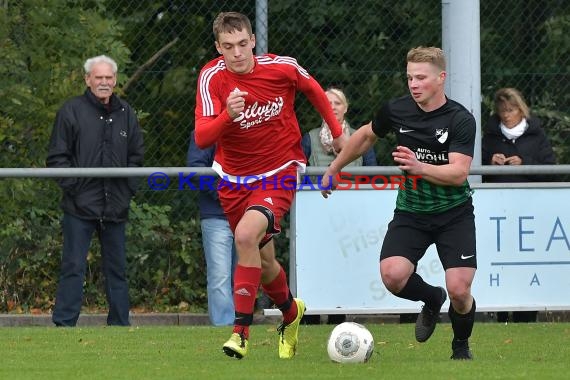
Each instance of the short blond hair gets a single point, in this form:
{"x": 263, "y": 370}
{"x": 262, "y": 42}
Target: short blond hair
{"x": 431, "y": 54}
{"x": 512, "y": 97}
{"x": 227, "y": 22}
{"x": 339, "y": 94}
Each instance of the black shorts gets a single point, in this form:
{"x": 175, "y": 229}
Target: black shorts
{"x": 452, "y": 231}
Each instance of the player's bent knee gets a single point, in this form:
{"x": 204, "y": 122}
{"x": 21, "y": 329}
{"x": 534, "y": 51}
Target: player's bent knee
{"x": 459, "y": 294}
{"x": 393, "y": 280}
{"x": 245, "y": 238}
{"x": 394, "y": 275}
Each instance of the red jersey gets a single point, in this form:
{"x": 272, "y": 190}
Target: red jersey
{"x": 265, "y": 138}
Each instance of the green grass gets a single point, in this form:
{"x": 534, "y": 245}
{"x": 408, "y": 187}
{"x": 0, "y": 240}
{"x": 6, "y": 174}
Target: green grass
{"x": 514, "y": 351}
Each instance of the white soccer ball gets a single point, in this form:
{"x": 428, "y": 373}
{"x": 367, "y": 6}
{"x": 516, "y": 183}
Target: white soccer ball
{"x": 350, "y": 342}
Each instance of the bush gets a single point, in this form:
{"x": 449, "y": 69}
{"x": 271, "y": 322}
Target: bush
{"x": 165, "y": 260}
{"x": 30, "y": 246}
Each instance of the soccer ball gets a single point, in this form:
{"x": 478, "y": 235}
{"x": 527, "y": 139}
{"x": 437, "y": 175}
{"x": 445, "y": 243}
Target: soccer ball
{"x": 350, "y": 342}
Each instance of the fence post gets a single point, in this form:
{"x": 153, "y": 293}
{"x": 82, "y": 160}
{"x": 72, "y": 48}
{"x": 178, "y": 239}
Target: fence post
{"x": 461, "y": 43}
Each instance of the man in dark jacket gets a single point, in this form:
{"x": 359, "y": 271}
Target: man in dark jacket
{"x": 96, "y": 129}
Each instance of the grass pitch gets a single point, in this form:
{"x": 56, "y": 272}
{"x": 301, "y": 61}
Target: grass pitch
{"x": 513, "y": 351}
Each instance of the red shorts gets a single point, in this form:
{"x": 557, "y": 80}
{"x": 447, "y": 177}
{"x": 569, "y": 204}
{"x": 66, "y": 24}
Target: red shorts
{"x": 272, "y": 196}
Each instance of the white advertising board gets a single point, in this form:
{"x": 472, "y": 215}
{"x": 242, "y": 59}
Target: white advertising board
{"x": 523, "y": 251}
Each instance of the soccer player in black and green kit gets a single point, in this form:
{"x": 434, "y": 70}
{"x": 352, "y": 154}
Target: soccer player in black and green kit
{"x": 435, "y": 137}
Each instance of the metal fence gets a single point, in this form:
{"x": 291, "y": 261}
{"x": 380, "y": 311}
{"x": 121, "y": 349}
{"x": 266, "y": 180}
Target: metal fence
{"x": 162, "y": 44}
{"x": 358, "y": 46}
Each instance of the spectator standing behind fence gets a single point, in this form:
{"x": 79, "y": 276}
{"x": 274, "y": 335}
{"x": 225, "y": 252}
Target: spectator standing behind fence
{"x": 96, "y": 129}
{"x": 514, "y": 137}
{"x": 217, "y": 241}
{"x": 436, "y": 139}
{"x": 317, "y": 143}
{"x": 245, "y": 105}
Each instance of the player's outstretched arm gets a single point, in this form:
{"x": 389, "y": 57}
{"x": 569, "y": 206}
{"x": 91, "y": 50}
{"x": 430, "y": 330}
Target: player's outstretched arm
{"x": 314, "y": 92}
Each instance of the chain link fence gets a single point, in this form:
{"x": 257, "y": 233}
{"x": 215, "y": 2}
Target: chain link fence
{"x": 162, "y": 44}
{"x": 525, "y": 44}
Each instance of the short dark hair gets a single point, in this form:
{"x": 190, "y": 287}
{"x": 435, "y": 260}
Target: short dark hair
{"x": 227, "y": 22}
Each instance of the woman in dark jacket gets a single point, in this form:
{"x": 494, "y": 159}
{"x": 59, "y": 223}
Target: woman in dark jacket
{"x": 513, "y": 137}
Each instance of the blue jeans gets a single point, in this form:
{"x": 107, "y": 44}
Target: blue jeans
{"x": 221, "y": 258}
{"x": 77, "y": 234}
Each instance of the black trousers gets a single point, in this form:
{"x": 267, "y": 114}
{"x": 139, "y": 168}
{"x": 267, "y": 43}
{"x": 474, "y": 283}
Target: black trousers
{"x": 77, "y": 235}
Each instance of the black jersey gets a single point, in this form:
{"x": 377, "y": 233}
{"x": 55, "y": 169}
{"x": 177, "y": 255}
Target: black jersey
{"x": 431, "y": 136}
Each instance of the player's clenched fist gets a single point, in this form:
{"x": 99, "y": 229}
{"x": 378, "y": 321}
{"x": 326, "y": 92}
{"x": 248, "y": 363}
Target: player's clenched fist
{"x": 235, "y": 103}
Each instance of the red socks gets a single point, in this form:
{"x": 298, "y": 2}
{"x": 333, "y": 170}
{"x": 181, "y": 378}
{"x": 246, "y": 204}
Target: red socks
{"x": 278, "y": 291}
{"x": 246, "y": 283}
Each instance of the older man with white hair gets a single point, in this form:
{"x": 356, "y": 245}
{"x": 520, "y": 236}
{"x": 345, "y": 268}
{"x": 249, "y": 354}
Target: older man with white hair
{"x": 96, "y": 129}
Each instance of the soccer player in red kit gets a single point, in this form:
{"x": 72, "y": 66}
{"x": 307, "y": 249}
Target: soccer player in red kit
{"x": 245, "y": 104}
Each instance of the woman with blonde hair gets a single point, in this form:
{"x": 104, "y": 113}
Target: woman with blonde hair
{"x": 514, "y": 137}
{"x": 317, "y": 143}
